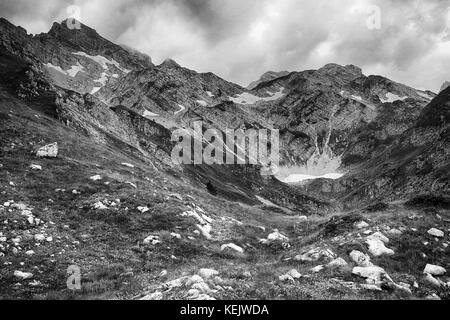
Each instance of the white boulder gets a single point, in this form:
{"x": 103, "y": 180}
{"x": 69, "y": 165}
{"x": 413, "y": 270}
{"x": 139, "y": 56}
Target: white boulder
{"x": 361, "y": 259}
{"x": 434, "y": 270}
{"x": 436, "y": 233}
{"x": 48, "y": 151}
{"x": 232, "y": 247}
{"x": 23, "y": 275}
{"x": 377, "y": 248}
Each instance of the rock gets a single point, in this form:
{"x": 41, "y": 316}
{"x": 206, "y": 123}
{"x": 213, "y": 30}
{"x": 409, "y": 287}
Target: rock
{"x": 208, "y": 273}
{"x": 429, "y": 279}
{"x": 315, "y": 254}
{"x": 337, "y": 263}
{"x": 361, "y": 259}
{"x": 175, "y": 235}
{"x": 35, "y": 167}
{"x": 23, "y": 275}
{"x": 29, "y": 253}
{"x": 372, "y": 274}
{"x": 433, "y": 296}
{"x": 436, "y": 233}
{"x": 193, "y": 280}
{"x": 378, "y": 236}
{"x": 39, "y": 237}
{"x": 201, "y": 287}
{"x": 96, "y": 177}
{"x": 154, "y": 296}
{"x": 100, "y": 206}
{"x": 286, "y": 278}
{"x": 232, "y": 247}
{"x": 143, "y": 209}
{"x": 153, "y": 240}
{"x": 48, "y": 151}
{"x": 395, "y": 232}
{"x": 129, "y": 165}
{"x": 176, "y": 196}
{"x": 377, "y": 248}
{"x": 193, "y": 294}
{"x": 434, "y": 270}
{"x": 294, "y": 274}
{"x": 49, "y": 239}
{"x": 361, "y": 225}
{"x": 317, "y": 269}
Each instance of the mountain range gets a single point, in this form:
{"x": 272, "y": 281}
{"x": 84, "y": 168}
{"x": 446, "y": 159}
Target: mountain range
{"x": 112, "y": 111}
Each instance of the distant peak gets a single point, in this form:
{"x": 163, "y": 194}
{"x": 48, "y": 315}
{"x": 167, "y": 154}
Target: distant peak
{"x": 445, "y": 85}
{"x": 170, "y": 63}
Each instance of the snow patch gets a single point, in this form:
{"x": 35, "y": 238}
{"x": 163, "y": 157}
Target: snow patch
{"x": 248, "y": 98}
{"x": 101, "y": 60}
{"x": 209, "y": 93}
{"x": 391, "y": 97}
{"x": 294, "y": 178}
{"x": 73, "y": 71}
{"x": 202, "y": 103}
{"x": 149, "y": 114}
{"x": 182, "y": 108}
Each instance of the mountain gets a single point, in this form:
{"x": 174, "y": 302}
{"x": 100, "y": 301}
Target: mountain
{"x": 445, "y": 85}
{"x": 110, "y": 200}
{"x": 270, "y": 75}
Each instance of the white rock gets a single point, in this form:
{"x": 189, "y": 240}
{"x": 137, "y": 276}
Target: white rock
{"x": 317, "y": 269}
{"x": 201, "y": 287}
{"x": 361, "y": 259}
{"x": 286, "y": 278}
{"x": 39, "y": 237}
{"x": 129, "y": 165}
{"x": 35, "y": 167}
{"x": 337, "y": 263}
{"x": 193, "y": 280}
{"x": 48, "y": 151}
{"x": 29, "y": 253}
{"x": 371, "y": 287}
{"x": 294, "y": 274}
{"x": 153, "y": 240}
{"x": 49, "y": 239}
{"x": 23, "y": 275}
{"x": 100, "y": 206}
{"x": 361, "y": 225}
{"x": 372, "y": 274}
{"x": 193, "y": 294}
{"x": 432, "y": 280}
{"x": 175, "y": 235}
{"x": 231, "y": 246}
{"x": 377, "y": 248}
{"x": 143, "y": 209}
{"x": 378, "y": 236}
{"x": 96, "y": 177}
{"x": 208, "y": 273}
{"x": 277, "y": 236}
{"x": 395, "y": 232}
{"x": 436, "y": 233}
{"x": 434, "y": 270}
{"x": 315, "y": 254}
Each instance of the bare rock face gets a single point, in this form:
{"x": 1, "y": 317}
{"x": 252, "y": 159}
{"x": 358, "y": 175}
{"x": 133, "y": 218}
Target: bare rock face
{"x": 48, "y": 151}
{"x": 445, "y": 85}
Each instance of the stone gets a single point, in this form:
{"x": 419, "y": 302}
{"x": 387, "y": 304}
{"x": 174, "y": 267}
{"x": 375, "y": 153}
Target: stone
{"x": 294, "y": 274}
{"x": 315, "y": 254}
{"x": 361, "y": 225}
{"x": 96, "y": 177}
{"x": 100, "y": 206}
{"x": 35, "y": 167}
{"x": 208, "y": 273}
{"x": 23, "y": 275}
{"x": 286, "y": 278}
{"x": 378, "y": 236}
{"x": 232, "y": 247}
{"x": 29, "y": 253}
{"x": 129, "y": 165}
{"x": 434, "y": 270}
{"x": 371, "y": 287}
{"x": 317, "y": 269}
{"x": 48, "y": 151}
{"x": 153, "y": 240}
{"x": 429, "y": 279}
{"x": 337, "y": 263}
{"x": 143, "y": 209}
{"x": 175, "y": 235}
{"x": 377, "y": 248}
{"x": 395, "y": 232}
{"x": 193, "y": 280}
{"x": 201, "y": 287}
{"x": 436, "y": 233}
{"x": 39, "y": 237}
{"x": 193, "y": 293}
{"x": 372, "y": 274}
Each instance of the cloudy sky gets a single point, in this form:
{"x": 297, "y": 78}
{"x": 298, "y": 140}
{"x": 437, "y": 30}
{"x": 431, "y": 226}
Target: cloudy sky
{"x": 407, "y": 41}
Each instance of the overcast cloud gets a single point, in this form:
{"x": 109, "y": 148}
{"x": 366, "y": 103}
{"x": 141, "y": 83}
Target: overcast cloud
{"x": 241, "y": 39}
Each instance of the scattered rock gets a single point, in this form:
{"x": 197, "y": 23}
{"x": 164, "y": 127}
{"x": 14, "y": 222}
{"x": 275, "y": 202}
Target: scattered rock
{"x": 208, "y": 273}
{"x": 286, "y": 278}
{"x": 316, "y": 254}
{"x": 377, "y": 248}
{"x": 143, "y": 209}
{"x": 337, "y": 263}
{"x": 361, "y": 259}
{"x": 175, "y": 235}
{"x": 373, "y": 274}
{"x": 317, "y": 269}
{"x": 361, "y": 225}
{"x": 23, "y": 275}
{"x": 35, "y": 167}
{"x": 429, "y": 279}
{"x": 100, "y": 206}
{"x": 378, "y": 236}
{"x": 436, "y": 233}
{"x": 371, "y": 287}
{"x": 153, "y": 240}
{"x": 232, "y": 247}
{"x": 96, "y": 177}
{"x": 39, "y": 237}
{"x": 434, "y": 270}
{"x": 294, "y": 274}
{"x": 48, "y": 151}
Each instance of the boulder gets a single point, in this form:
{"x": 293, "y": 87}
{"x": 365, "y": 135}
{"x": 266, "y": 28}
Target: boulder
{"x": 372, "y": 274}
{"x": 153, "y": 296}
{"x": 231, "y": 247}
{"x": 432, "y": 281}
{"x": 337, "y": 263}
{"x": 378, "y": 236}
{"x": 48, "y": 151}
{"x": 35, "y": 167}
{"x": 23, "y": 275}
{"x": 436, "y": 233}
{"x": 434, "y": 270}
{"x": 361, "y": 225}
{"x": 377, "y": 248}
{"x": 208, "y": 273}
{"x": 316, "y": 254}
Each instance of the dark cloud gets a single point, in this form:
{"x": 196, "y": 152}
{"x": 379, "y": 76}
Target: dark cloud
{"x": 241, "y": 39}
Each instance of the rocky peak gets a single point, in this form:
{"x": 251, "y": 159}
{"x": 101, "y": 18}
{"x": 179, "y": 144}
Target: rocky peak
{"x": 170, "y": 63}
{"x": 268, "y": 76}
{"x": 350, "y": 72}
{"x": 445, "y": 85}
